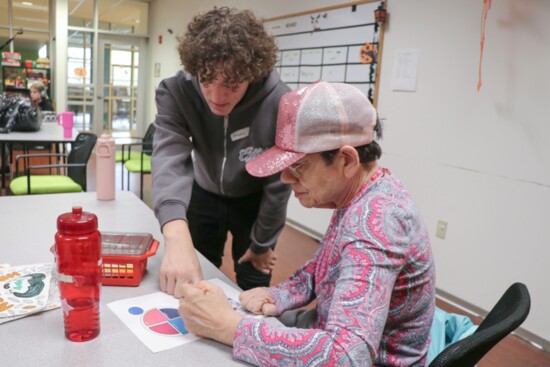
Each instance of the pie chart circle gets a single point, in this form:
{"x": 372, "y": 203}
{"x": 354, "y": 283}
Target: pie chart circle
{"x": 164, "y": 321}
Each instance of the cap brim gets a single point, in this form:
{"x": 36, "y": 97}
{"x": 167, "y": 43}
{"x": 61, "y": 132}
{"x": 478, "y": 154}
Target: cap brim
{"x": 272, "y": 161}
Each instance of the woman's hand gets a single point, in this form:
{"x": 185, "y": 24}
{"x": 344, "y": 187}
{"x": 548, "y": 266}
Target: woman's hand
{"x": 258, "y": 301}
{"x": 206, "y": 312}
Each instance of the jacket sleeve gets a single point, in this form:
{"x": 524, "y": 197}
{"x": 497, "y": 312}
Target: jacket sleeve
{"x": 172, "y": 166}
{"x": 272, "y": 215}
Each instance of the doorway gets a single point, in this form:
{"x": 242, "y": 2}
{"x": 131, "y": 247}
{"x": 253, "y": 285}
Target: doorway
{"x": 118, "y": 105}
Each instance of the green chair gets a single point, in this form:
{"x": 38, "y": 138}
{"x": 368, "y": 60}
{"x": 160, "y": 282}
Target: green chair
{"x": 139, "y": 160}
{"x": 121, "y": 156}
{"x": 72, "y": 172}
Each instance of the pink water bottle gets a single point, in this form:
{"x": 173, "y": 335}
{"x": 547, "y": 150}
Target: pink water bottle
{"x": 78, "y": 258}
{"x": 105, "y": 167}
{"x": 66, "y": 119}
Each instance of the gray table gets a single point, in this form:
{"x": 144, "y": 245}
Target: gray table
{"x": 48, "y": 133}
{"x": 28, "y": 226}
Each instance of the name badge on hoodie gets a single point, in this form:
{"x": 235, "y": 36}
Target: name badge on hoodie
{"x": 239, "y": 134}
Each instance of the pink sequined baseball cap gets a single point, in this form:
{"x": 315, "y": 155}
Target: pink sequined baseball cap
{"x": 318, "y": 117}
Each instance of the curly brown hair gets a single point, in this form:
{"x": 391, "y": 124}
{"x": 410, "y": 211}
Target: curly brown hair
{"x": 229, "y": 42}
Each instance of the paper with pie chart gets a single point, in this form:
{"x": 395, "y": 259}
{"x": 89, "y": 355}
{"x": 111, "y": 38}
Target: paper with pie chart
{"x": 155, "y": 320}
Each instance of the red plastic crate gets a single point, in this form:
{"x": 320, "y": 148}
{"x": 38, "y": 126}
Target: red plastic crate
{"x": 125, "y": 257}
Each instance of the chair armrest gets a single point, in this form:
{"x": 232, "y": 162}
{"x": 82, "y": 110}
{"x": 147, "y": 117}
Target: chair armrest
{"x": 42, "y": 166}
{"x": 132, "y": 144}
{"x": 127, "y": 150}
{"x": 39, "y": 155}
{"x": 56, "y": 166}
{"x": 20, "y": 156}
{"x": 136, "y": 145}
{"x": 126, "y": 139}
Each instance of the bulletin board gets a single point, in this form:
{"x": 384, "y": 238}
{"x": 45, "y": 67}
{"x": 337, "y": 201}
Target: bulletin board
{"x": 342, "y": 44}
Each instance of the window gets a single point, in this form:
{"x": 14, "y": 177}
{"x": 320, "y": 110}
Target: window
{"x": 24, "y": 28}
{"x": 123, "y": 16}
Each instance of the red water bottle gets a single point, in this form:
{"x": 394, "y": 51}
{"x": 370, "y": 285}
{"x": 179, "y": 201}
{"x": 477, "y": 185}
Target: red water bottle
{"x": 78, "y": 257}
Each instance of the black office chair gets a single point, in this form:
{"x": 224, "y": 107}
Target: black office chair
{"x": 73, "y": 178}
{"x": 507, "y": 315}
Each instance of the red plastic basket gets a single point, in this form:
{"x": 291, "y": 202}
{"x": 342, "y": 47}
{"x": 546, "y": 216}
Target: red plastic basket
{"x": 125, "y": 257}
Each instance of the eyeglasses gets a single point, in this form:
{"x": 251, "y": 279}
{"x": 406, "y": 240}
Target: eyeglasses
{"x": 294, "y": 169}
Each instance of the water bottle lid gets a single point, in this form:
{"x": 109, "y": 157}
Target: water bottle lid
{"x": 77, "y": 222}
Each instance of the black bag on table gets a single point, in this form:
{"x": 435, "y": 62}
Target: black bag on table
{"x": 5, "y": 111}
{"x": 18, "y": 114}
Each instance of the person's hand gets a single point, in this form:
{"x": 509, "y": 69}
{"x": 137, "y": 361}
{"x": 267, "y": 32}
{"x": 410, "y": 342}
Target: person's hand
{"x": 206, "y": 312}
{"x": 258, "y": 301}
{"x": 263, "y": 262}
{"x": 180, "y": 263}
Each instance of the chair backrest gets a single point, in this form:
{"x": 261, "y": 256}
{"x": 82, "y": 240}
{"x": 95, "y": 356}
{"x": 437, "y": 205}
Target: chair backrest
{"x": 509, "y": 313}
{"x": 148, "y": 139}
{"x": 81, "y": 151}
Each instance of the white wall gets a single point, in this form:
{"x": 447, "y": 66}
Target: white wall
{"x": 175, "y": 14}
{"x": 478, "y": 160}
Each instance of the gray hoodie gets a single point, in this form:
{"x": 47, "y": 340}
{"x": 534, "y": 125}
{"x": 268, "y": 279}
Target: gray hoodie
{"x": 191, "y": 143}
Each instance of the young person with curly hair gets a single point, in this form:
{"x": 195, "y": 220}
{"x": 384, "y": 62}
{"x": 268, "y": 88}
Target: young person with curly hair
{"x": 213, "y": 117}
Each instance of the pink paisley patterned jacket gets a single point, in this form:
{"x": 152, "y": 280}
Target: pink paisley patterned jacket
{"x": 374, "y": 281}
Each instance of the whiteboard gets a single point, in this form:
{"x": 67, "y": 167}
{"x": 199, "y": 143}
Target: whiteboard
{"x": 327, "y": 44}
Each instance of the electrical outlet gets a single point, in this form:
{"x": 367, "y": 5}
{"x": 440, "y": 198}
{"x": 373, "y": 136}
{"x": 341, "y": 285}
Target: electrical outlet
{"x": 441, "y": 230}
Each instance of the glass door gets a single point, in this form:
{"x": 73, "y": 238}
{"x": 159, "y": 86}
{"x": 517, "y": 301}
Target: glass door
{"x": 117, "y": 103}
{"x": 80, "y": 79}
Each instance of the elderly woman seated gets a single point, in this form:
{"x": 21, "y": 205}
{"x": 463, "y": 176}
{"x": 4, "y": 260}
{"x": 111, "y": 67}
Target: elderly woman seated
{"x": 373, "y": 276}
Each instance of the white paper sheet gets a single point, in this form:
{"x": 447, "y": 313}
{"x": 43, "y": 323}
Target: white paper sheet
{"x": 405, "y": 69}
{"x": 155, "y": 320}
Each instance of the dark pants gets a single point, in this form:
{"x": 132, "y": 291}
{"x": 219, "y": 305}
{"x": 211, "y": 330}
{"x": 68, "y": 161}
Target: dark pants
{"x": 211, "y": 216}
{"x": 301, "y": 318}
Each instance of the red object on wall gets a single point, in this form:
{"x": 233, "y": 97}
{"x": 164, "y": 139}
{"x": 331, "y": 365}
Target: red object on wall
{"x": 486, "y": 7}
{"x": 160, "y": 39}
